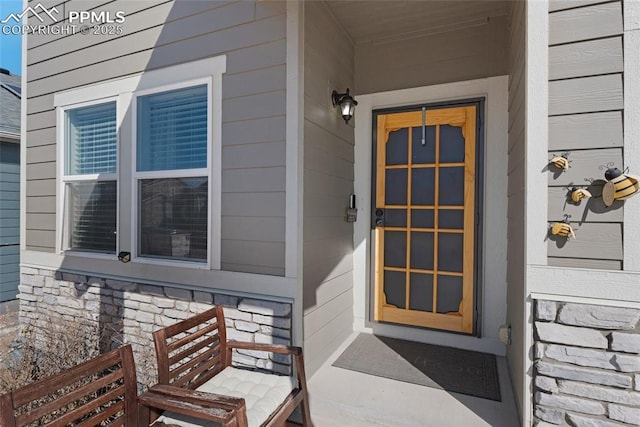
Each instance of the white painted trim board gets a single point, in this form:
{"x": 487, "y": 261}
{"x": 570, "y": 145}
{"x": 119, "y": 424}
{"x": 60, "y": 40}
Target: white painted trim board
{"x": 495, "y": 90}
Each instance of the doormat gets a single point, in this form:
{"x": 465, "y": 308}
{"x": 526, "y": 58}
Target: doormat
{"x": 450, "y": 369}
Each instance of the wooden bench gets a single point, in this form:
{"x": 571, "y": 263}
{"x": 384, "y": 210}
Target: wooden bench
{"x": 194, "y": 354}
{"x": 103, "y": 391}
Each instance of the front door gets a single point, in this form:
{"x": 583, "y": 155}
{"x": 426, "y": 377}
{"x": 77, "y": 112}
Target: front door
{"x": 424, "y": 215}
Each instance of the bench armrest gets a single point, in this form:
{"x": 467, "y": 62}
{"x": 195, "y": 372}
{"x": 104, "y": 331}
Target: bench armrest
{"x": 272, "y": 348}
{"x": 206, "y": 406}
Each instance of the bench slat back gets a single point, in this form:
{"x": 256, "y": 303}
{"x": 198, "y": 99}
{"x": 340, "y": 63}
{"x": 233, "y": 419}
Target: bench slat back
{"x": 192, "y": 351}
{"x": 103, "y": 389}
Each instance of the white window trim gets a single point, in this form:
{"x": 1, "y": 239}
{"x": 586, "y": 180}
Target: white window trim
{"x": 123, "y": 89}
{"x": 63, "y": 179}
{"x": 163, "y": 174}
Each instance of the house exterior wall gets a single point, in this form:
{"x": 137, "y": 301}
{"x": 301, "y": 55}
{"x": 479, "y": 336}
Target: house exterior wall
{"x": 516, "y": 194}
{"x": 587, "y": 359}
{"x": 585, "y": 121}
{"x": 156, "y": 35}
{"x": 471, "y": 51}
{"x": 250, "y": 38}
{"x": 128, "y": 312}
{"x": 328, "y": 181}
{"x": 9, "y": 220}
{"x": 591, "y": 111}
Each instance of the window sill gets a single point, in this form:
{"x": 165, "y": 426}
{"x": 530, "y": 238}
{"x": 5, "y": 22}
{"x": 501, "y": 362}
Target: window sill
{"x": 94, "y": 255}
{"x": 172, "y": 263}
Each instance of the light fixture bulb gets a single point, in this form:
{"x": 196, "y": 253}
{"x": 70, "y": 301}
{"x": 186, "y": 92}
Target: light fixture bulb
{"x": 346, "y": 103}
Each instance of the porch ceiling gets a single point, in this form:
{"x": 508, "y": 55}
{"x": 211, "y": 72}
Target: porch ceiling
{"x": 379, "y": 21}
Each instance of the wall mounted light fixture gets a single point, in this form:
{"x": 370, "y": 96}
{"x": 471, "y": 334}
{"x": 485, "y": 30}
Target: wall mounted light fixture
{"x": 346, "y": 103}
{"x": 124, "y": 257}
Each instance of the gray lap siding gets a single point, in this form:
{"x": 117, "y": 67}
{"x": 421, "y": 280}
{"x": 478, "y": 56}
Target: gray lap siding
{"x": 160, "y": 34}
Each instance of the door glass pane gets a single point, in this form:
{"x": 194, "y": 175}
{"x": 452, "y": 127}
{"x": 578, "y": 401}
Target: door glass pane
{"x": 449, "y": 218}
{"x": 395, "y": 218}
{"x": 450, "y": 251}
{"x": 395, "y": 290}
{"x": 423, "y": 153}
{"x": 452, "y": 186}
{"x": 449, "y": 294}
{"x": 422, "y": 250}
{"x": 395, "y": 249}
{"x": 422, "y": 186}
{"x": 422, "y": 218}
{"x": 395, "y": 189}
{"x": 421, "y": 292}
{"x": 451, "y": 144}
{"x": 398, "y": 147}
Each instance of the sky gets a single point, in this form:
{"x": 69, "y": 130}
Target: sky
{"x": 10, "y": 45}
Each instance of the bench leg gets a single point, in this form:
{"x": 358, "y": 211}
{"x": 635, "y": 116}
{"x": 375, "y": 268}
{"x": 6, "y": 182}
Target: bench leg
{"x": 240, "y": 420}
{"x": 306, "y": 413}
{"x": 302, "y": 383}
{"x": 143, "y": 415}
{"x": 146, "y": 415}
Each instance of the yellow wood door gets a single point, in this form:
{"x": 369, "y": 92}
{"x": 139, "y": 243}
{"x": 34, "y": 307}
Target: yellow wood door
{"x": 424, "y": 218}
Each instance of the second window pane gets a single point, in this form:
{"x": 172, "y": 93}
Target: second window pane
{"x": 173, "y": 218}
{"x": 172, "y": 130}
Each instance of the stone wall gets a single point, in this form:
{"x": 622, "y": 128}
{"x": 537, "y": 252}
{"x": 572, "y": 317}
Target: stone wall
{"x": 128, "y": 312}
{"x": 587, "y": 365}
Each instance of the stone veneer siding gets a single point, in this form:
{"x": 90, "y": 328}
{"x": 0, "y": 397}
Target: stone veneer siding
{"x": 130, "y": 312}
{"x": 587, "y": 365}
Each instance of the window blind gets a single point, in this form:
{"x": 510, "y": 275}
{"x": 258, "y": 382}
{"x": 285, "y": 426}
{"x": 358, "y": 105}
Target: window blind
{"x": 92, "y": 139}
{"x": 91, "y": 206}
{"x": 92, "y": 215}
{"x": 172, "y": 130}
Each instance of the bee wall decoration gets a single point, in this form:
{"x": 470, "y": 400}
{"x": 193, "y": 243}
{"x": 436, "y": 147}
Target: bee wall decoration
{"x": 561, "y": 162}
{"x": 563, "y": 228}
{"x": 577, "y": 194}
{"x": 619, "y": 186}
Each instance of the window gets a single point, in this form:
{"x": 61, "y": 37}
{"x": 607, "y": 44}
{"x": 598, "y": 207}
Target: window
{"x": 90, "y": 178}
{"x": 172, "y": 173}
{"x": 139, "y": 166}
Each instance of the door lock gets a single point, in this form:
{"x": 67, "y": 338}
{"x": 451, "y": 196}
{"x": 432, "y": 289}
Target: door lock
{"x": 379, "y": 218}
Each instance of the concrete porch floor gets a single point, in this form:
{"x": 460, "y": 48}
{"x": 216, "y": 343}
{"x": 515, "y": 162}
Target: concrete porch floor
{"x": 339, "y": 397}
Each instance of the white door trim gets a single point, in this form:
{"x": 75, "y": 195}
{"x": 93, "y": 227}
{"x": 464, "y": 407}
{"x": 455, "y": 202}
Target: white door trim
{"x": 495, "y": 90}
